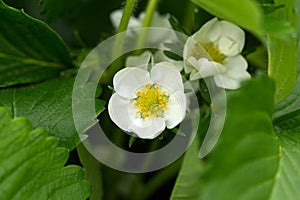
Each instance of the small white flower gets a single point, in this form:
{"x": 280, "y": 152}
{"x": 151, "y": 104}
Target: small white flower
{"x": 158, "y": 20}
{"x": 145, "y": 103}
{"x": 215, "y": 50}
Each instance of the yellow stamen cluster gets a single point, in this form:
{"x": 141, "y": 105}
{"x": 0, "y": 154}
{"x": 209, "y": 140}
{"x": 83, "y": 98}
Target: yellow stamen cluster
{"x": 151, "y": 101}
{"x": 214, "y": 52}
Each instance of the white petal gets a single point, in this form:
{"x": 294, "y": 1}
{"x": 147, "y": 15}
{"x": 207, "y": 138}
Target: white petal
{"x": 116, "y": 17}
{"x": 226, "y": 82}
{"x": 134, "y": 23}
{"x": 164, "y": 74}
{"x": 189, "y": 44}
{"x": 236, "y": 68}
{"x": 178, "y": 65}
{"x": 209, "y": 68}
{"x": 158, "y": 36}
{"x": 209, "y": 32}
{"x": 204, "y": 68}
{"x": 176, "y": 109}
{"x": 195, "y": 75}
{"x": 160, "y": 21}
{"x": 238, "y": 62}
{"x": 194, "y": 84}
{"x": 127, "y": 80}
{"x": 232, "y": 38}
{"x": 140, "y": 60}
{"x": 147, "y": 128}
{"x": 228, "y": 47}
{"x": 189, "y": 64}
{"x": 236, "y": 72}
{"x": 193, "y": 48}
{"x": 194, "y": 62}
{"x": 188, "y": 68}
{"x": 119, "y": 112}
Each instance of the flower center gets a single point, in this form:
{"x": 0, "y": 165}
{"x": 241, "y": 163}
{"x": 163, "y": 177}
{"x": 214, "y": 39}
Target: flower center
{"x": 151, "y": 101}
{"x": 214, "y": 52}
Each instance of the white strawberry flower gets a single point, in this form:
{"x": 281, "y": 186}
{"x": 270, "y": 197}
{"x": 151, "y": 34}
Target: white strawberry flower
{"x": 145, "y": 103}
{"x": 215, "y": 51}
{"x": 160, "y": 21}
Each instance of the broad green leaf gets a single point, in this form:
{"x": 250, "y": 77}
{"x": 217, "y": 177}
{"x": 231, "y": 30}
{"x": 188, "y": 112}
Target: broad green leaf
{"x": 287, "y": 180}
{"x": 287, "y": 112}
{"x": 290, "y": 120}
{"x": 292, "y": 103}
{"x": 251, "y": 161}
{"x": 188, "y": 184}
{"x": 55, "y": 9}
{"x": 49, "y": 105}
{"x": 283, "y": 54}
{"x": 246, "y": 13}
{"x": 269, "y": 8}
{"x": 244, "y": 162}
{"x": 32, "y": 164}
{"x": 29, "y": 50}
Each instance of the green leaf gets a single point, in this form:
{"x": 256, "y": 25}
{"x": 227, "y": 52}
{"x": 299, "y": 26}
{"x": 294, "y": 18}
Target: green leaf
{"x": 269, "y": 8}
{"x": 283, "y": 54}
{"x": 282, "y": 67}
{"x": 55, "y": 9}
{"x": 291, "y": 103}
{"x": 246, "y": 13}
{"x": 290, "y": 120}
{"x": 265, "y": 1}
{"x": 49, "y": 105}
{"x": 243, "y": 152}
{"x": 287, "y": 180}
{"x": 29, "y": 50}
{"x": 188, "y": 184}
{"x": 253, "y": 162}
{"x": 32, "y": 164}
{"x": 172, "y": 55}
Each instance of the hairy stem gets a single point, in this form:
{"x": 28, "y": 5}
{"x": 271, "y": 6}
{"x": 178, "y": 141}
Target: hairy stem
{"x": 151, "y": 7}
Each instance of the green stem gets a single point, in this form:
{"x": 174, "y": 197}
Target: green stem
{"x": 123, "y": 26}
{"x": 126, "y": 15}
{"x": 189, "y": 16}
{"x": 119, "y": 42}
{"x": 151, "y": 7}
